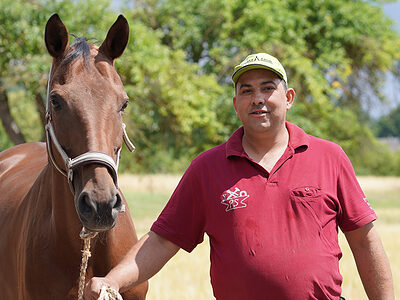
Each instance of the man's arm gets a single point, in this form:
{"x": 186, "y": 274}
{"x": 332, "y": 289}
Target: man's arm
{"x": 142, "y": 261}
{"x": 372, "y": 262}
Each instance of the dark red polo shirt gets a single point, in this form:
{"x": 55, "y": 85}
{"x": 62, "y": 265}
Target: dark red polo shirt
{"x": 272, "y": 236}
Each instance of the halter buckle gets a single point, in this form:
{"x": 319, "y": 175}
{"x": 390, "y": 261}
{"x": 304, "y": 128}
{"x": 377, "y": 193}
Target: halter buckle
{"x": 70, "y": 175}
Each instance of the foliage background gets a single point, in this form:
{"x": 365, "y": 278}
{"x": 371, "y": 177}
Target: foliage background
{"x": 177, "y": 69}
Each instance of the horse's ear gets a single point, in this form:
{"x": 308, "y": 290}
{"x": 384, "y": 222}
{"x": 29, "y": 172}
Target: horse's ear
{"x": 56, "y": 36}
{"x": 117, "y": 39}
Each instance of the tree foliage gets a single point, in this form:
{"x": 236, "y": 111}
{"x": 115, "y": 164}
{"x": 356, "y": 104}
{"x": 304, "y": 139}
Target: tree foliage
{"x": 173, "y": 113}
{"x": 335, "y": 53}
{"x": 389, "y": 125}
{"x": 178, "y": 63}
{"x": 24, "y": 62}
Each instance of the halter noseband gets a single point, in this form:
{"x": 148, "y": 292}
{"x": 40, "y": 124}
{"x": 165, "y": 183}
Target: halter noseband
{"x": 83, "y": 159}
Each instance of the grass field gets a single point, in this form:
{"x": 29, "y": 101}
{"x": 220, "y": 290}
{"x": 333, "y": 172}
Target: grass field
{"x": 186, "y": 276}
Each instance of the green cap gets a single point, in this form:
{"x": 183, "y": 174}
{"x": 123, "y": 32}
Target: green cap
{"x": 259, "y": 61}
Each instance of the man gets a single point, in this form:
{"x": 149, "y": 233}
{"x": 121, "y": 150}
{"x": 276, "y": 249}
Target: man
{"x": 270, "y": 199}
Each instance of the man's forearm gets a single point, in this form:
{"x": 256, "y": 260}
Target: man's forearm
{"x": 372, "y": 263}
{"x": 143, "y": 261}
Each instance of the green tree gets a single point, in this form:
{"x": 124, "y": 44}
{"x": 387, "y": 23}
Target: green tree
{"x": 389, "y": 125}
{"x": 24, "y": 62}
{"x": 173, "y": 115}
{"x": 334, "y": 52}
{"x": 178, "y": 63}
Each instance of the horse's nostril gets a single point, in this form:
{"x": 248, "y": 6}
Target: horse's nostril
{"x": 86, "y": 205}
{"x": 117, "y": 202}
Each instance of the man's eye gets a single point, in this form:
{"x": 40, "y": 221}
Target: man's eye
{"x": 269, "y": 88}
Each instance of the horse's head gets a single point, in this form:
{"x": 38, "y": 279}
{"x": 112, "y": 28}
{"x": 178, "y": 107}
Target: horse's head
{"x": 84, "y": 128}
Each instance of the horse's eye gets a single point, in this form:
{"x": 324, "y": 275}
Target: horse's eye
{"x": 56, "y": 103}
{"x": 124, "y": 105}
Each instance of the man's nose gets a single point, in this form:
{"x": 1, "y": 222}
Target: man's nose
{"x": 259, "y": 98}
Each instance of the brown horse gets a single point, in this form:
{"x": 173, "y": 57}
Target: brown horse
{"x": 40, "y": 218}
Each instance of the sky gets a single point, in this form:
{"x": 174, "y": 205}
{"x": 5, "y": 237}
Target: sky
{"x": 393, "y": 11}
{"x": 392, "y": 85}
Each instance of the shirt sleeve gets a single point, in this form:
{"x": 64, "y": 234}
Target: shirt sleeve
{"x": 182, "y": 219}
{"x": 355, "y": 210}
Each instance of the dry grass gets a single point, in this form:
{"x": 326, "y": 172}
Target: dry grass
{"x": 352, "y": 286}
{"x": 371, "y": 183}
{"x": 186, "y": 276}
{"x": 154, "y": 183}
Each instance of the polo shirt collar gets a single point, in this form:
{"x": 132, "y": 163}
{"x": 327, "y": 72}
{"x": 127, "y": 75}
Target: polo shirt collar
{"x": 297, "y": 138}
{"x": 234, "y": 145}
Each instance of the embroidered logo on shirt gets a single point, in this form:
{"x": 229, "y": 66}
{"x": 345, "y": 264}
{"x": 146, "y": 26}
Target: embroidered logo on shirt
{"x": 234, "y": 199}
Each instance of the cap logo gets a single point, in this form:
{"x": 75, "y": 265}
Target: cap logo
{"x": 258, "y": 59}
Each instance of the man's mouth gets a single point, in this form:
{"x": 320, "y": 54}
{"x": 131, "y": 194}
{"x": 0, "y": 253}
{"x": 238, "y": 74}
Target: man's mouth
{"x": 259, "y": 112}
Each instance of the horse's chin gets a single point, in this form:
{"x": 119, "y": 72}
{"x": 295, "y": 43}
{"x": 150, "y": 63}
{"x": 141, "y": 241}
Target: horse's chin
{"x": 97, "y": 226}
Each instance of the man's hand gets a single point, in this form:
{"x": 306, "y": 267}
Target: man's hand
{"x": 143, "y": 260}
{"x": 93, "y": 287}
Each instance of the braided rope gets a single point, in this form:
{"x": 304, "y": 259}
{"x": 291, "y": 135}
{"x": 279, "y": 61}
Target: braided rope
{"x": 107, "y": 293}
{"x": 86, "y": 236}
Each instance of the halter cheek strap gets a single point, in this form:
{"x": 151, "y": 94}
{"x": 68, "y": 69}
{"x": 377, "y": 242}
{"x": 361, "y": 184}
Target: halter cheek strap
{"x": 127, "y": 141}
{"x": 91, "y": 157}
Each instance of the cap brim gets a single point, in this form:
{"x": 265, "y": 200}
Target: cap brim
{"x": 243, "y": 69}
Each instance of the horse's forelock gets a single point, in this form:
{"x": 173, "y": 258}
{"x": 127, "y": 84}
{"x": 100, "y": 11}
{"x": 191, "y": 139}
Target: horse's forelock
{"x": 80, "y": 47}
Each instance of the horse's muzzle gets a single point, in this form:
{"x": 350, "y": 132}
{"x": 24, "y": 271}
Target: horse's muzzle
{"x": 97, "y": 215}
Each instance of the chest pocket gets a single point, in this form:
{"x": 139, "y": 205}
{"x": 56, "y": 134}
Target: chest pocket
{"x": 312, "y": 203}
{"x": 307, "y": 198}
{"x": 306, "y": 192}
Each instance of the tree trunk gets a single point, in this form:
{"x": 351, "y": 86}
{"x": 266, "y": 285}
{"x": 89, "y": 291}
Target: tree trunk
{"x": 7, "y": 119}
{"x": 42, "y": 111}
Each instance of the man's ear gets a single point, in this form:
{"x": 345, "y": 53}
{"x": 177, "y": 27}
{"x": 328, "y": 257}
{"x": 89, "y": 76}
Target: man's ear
{"x": 234, "y": 103}
{"x": 290, "y": 95}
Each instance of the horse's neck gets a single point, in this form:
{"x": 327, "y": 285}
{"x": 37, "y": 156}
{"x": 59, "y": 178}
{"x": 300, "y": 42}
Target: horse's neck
{"x": 53, "y": 204}
{"x": 48, "y": 235}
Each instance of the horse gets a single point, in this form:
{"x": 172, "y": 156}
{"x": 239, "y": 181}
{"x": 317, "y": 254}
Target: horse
{"x": 49, "y": 191}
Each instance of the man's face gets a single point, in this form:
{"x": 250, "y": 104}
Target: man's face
{"x": 262, "y": 100}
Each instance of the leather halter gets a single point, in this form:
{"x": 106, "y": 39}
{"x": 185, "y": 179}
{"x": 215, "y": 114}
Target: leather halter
{"x": 70, "y": 164}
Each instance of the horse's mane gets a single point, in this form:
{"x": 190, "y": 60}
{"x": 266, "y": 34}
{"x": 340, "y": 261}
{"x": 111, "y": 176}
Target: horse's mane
{"x": 80, "y": 48}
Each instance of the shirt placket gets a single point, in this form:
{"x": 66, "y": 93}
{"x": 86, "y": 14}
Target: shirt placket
{"x": 272, "y": 178}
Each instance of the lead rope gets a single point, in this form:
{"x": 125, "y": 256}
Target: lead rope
{"x": 107, "y": 293}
